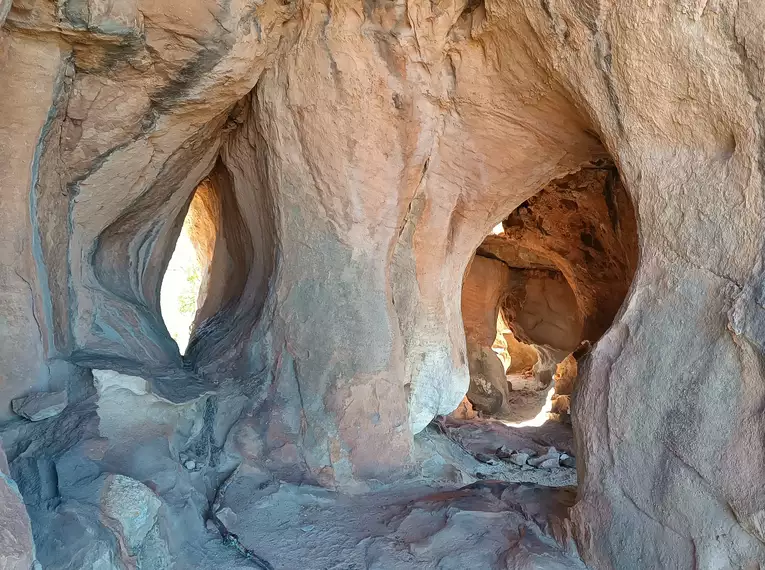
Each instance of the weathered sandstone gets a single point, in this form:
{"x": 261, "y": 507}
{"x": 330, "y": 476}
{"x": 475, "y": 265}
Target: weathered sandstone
{"x": 353, "y": 157}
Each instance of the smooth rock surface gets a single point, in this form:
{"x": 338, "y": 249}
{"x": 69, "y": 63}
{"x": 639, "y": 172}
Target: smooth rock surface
{"x": 358, "y": 154}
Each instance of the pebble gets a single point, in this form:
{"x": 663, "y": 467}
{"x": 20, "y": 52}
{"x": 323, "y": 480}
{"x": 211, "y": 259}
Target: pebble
{"x": 39, "y": 406}
{"x": 483, "y": 458}
{"x": 190, "y": 465}
{"x": 519, "y": 458}
{"x": 504, "y": 453}
{"x": 549, "y": 463}
{"x": 568, "y": 462}
{"x": 551, "y": 454}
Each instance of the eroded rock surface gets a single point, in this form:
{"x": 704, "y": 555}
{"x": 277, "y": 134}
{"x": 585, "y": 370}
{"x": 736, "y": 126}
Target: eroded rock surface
{"x": 480, "y": 525}
{"x": 357, "y": 155}
{"x": 40, "y": 405}
{"x": 17, "y": 549}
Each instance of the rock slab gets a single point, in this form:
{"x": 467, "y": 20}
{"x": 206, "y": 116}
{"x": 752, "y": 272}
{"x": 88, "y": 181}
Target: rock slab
{"x": 40, "y": 405}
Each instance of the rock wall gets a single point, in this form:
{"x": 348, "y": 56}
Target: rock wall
{"x": 17, "y": 549}
{"x": 364, "y": 150}
{"x": 486, "y": 284}
{"x": 568, "y": 255}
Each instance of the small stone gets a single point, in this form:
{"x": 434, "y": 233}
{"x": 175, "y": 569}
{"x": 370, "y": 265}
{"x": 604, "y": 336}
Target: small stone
{"x": 480, "y": 475}
{"x": 549, "y": 463}
{"x": 551, "y": 454}
{"x": 568, "y": 461}
{"x": 227, "y": 517}
{"x": 190, "y": 465}
{"x": 483, "y": 458}
{"x": 504, "y": 453}
{"x": 40, "y": 405}
{"x": 519, "y": 458}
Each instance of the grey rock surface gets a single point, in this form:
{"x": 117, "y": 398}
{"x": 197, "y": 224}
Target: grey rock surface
{"x": 551, "y": 455}
{"x": 132, "y": 506}
{"x": 519, "y": 458}
{"x": 17, "y": 550}
{"x": 402, "y": 528}
{"x": 40, "y": 405}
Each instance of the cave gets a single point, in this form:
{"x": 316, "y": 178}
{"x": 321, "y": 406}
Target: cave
{"x": 539, "y": 292}
{"x": 390, "y": 206}
{"x": 182, "y": 290}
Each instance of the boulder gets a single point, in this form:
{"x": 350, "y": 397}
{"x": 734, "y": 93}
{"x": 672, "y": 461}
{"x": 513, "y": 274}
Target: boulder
{"x": 488, "y": 384}
{"x": 130, "y": 508}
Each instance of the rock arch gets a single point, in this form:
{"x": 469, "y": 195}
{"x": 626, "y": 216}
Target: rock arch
{"x": 557, "y": 272}
{"x": 370, "y": 150}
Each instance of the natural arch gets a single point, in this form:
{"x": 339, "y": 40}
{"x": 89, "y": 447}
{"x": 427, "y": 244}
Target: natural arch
{"x": 555, "y": 272}
{"x": 358, "y": 156}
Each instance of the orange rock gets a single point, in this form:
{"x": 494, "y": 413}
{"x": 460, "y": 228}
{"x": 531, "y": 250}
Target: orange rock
{"x": 464, "y": 411}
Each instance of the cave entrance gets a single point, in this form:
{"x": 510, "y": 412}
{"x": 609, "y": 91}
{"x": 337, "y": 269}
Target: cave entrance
{"x": 182, "y": 283}
{"x": 542, "y": 287}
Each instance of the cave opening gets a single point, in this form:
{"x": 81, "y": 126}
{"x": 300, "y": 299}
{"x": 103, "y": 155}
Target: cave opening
{"x": 184, "y": 280}
{"x": 543, "y": 286}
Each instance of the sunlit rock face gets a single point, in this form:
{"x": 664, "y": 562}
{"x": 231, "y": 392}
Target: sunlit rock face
{"x": 357, "y": 155}
{"x": 561, "y": 266}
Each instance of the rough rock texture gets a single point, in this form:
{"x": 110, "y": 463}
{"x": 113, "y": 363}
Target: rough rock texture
{"x": 17, "y": 551}
{"x": 478, "y": 526}
{"x": 40, "y": 405}
{"x": 364, "y": 151}
{"x": 486, "y": 283}
{"x": 132, "y": 508}
{"x": 583, "y": 226}
{"x": 523, "y": 357}
{"x": 570, "y": 253}
{"x": 127, "y": 479}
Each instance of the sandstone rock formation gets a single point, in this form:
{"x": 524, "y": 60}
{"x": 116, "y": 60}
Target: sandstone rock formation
{"x": 523, "y": 356}
{"x": 557, "y": 273}
{"x": 353, "y": 156}
{"x": 40, "y": 405}
{"x": 17, "y": 551}
{"x": 485, "y": 285}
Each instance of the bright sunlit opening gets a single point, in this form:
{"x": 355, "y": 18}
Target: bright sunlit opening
{"x": 498, "y": 229}
{"x": 180, "y": 288}
{"x": 541, "y": 417}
